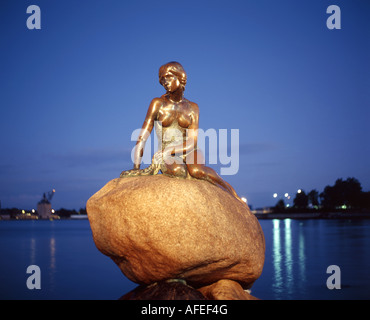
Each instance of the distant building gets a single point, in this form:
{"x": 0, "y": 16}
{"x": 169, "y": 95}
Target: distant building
{"x": 44, "y": 208}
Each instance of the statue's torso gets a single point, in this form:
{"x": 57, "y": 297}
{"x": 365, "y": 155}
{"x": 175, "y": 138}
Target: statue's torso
{"x": 173, "y": 120}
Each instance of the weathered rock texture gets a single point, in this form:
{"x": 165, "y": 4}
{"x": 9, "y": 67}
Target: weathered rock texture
{"x": 164, "y": 290}
{"x": 226, "y": 290}
{"x": 157, "y": 228}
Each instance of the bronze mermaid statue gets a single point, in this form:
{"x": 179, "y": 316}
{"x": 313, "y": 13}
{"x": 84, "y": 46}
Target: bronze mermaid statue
{"x": 176, "y": 124}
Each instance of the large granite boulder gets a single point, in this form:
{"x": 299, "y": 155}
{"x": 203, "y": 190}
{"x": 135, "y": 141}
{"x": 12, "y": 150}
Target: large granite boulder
{"x": 157, "y": 228}
{"x": 226, "y": 290}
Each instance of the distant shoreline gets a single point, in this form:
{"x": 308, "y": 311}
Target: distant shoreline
{"x": 25, "y": 217}
{"x": 259, "y": 216}
{"x": 313, "y": 215}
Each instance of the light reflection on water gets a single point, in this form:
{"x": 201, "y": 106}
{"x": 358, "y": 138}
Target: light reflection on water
{"x": 71, "y": 265}
{"x": 301, "y": 260}
{"x": 288, "y": 257}
{"x": 277, "y": 257}
{"x": 50, "y": 253}
{"x": 32, "y": 250}
{"x": 298, "y": 253}
{"x": 52, "y": 263}
{"x": 283, "y": 257}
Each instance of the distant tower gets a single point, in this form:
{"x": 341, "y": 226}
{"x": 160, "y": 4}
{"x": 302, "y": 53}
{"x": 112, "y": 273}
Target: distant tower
{"x": 44, "y": 206}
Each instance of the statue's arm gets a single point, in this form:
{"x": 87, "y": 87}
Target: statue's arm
{"x": 146, "y": 129}
{"x": 192, "y": 132}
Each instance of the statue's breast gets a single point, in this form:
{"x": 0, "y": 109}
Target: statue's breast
{"x": 184, "y": 120}
{"x": 166, "y": 116}
{"x": 171, "y": 126}
{"x": 169, "y": 115}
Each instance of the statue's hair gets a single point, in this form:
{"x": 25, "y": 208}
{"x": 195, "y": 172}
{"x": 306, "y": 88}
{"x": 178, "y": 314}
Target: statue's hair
{"x": 176, "y": 69}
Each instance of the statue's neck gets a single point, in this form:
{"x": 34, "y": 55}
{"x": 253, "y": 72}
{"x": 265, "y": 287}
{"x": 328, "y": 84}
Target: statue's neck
{"x": 176, "y": 96}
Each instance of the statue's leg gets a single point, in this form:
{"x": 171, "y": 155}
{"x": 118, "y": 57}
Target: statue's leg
{"x": 198, "y": 170}
{"x": 174, "y": 169}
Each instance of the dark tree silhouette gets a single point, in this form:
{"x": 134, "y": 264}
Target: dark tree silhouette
{"x": 280, "y": 206}
{"x": 65, "y": 213}
{"x": 344, "y": 192}
{"x": 301, "y": 200}
{"x": 365, "y": 200}
{"x": 313, "y": 197}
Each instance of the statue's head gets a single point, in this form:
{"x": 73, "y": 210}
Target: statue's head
{"x": 174, "y": 69}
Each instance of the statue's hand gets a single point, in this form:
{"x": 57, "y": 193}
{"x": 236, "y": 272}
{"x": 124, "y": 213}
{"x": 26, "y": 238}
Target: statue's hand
{"x": 160, "y": 157}
{"x": 157, "y": 158}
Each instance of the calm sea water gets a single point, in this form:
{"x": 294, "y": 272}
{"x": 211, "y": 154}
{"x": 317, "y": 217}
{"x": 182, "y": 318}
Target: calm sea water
{"x": 298, "y": 253}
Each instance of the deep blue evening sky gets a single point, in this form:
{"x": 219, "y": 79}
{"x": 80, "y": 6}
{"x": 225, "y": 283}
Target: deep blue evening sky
{"x": 72, "y": 93}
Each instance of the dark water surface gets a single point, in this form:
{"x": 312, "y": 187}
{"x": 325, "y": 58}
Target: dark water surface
{"x": 298, "y": 253}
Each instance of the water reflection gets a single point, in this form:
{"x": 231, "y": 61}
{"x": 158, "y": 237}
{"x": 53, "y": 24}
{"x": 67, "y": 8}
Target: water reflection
{"x": 301, "y": 259}
{"x": 276, "y": 254}
{"x": 285, "y": 260}
{"x": 310, "y": 246}
{"x": 45, "y": 259}
{"x": 288, "y": 256}
{"x": 32, "y": 250}
{"x": 52, "y": 263}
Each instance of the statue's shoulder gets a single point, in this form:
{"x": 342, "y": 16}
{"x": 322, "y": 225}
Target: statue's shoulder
{"x": 156, "y": 104}
{"x": 158, "y": 100}
{"x": 193, "y": 105}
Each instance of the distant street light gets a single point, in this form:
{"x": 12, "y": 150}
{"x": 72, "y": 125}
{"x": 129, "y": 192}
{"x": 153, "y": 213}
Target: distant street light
{"x": 286, "y": 195}
{"x": 299, "y": 191}
{"x": 275, "y": 195}
{"x": 244, "y": 199}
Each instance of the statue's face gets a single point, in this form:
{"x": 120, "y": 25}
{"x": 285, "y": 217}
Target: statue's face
{"x": 170, "y": 82}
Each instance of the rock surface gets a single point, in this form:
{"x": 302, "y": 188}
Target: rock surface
{"x": 226, "y": 290}
{"x": 164, "y": 290}
{"x": 157, "y": 228}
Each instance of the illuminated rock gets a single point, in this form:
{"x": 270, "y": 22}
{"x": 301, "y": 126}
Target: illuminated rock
{"x": 157, "y": 228}
{"x": 226, "y": 290}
